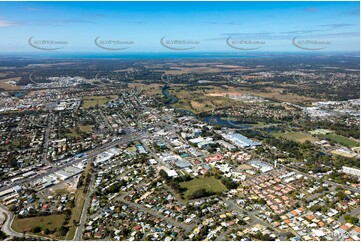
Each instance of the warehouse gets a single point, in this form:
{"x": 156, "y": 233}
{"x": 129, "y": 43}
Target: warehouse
{"x": 183, "y": 164}
{"x": 68, "y": 172}
{"x": 240, "y": 140}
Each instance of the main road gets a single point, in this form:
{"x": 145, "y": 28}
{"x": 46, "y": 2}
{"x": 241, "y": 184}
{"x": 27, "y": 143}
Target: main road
{"x": 6, "y": 227}
{"x": 90, "y": 154}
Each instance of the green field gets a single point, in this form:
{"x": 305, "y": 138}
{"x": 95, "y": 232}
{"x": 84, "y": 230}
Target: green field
{"x": 26, "y": 224}
{"x": 92, "y": 101}
{"x": 296, "y": 136}
{"x": 321, "y": 131}
{"x": 72, "y": 134}
{"x": 341, "y": 140}
{"x": 86, "y": 128}
{"x": 208, "y": 183}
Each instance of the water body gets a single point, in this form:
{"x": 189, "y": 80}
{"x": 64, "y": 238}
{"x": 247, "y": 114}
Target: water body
{"x": 170, "y": 99}
{"x": 272, "y": 129}
{"x": 184, "y": 111}
{"x": 222, "y": 121}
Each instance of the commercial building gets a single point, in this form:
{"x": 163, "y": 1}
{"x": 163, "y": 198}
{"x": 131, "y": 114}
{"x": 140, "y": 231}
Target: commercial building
{"x": 240, "y": 140}
{"x": 226, "y": 145}
{"x": 351, "y": 171}
{"x": 183, "y": 164}
{"x": 141, "y": 149}
{"x": 205, "y": 144}
{"x": 259, "y": 165}
{"x": 68, "y": 172}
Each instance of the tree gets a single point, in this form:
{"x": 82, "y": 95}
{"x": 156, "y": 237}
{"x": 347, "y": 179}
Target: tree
{"x": 163, "y": 174}
{"x": 229, "y": 183}
{"x": 36, "y": 229}
{"x": 63, "y": 230}
{"x": 201, "y": 193}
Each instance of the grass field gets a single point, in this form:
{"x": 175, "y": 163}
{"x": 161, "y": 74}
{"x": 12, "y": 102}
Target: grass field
{"x": 26, "y": 224}
{"x": 72, "y": 133}
{"x": 197, "y": 100}
{"x": 8, "y": 86}
{"x": 296, "y": 136}
{"x": 148, "y": 89}
{"x": 270, "y": 93}
{"x": 86, "y": 128}
{"x": 321, "y": 131}
{"x": 341, "y": 140}
{"x": 92, "y": 101}
{"x": 336, "y": 152}
{"x": 208, "y": 183}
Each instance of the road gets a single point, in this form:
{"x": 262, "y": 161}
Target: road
{"x": 354, "y": 213}
{"x": 46, "y": 139}
{"x": 90, "y": 154}
{"x": 106, "y": 122}
{"x": 186, "y": 227}
{"x": 6, "y": 228}
{"x": 354, "y": 189}
{"x": 79, "y": 229}
{"x": 251, "y": 214}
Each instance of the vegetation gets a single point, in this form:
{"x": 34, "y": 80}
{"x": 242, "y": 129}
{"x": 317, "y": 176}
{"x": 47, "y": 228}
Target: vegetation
{"x": 341, "y": 140}
{"x": 229, "y": 183}
{"x": 51, "y": 222}
{"x": 93, "y": 101}
{"x": 210, "y": 184}
{"x": 296, "y": 136}
{"x": 350, "y": 219}
{"x": 201, "y": 193}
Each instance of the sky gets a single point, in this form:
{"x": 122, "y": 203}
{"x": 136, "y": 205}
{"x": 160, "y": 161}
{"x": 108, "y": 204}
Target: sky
{"x": 197, "y": 26}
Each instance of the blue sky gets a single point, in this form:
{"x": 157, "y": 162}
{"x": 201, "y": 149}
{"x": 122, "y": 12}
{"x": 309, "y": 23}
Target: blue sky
{"x": 275, "y": 24}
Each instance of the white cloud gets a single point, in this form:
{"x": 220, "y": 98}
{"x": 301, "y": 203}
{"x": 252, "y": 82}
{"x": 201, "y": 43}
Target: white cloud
{"x": 32, "y": 9}
{"x": 5, "y": 23}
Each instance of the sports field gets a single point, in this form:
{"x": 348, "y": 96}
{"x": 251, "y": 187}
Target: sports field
{"x": 341, "y": 140}
{"x": 208, "y": 183}
{"x": 296, "y": 136}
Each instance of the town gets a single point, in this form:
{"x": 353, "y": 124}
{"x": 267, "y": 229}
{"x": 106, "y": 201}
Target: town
{"x": 128, "y": 163}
